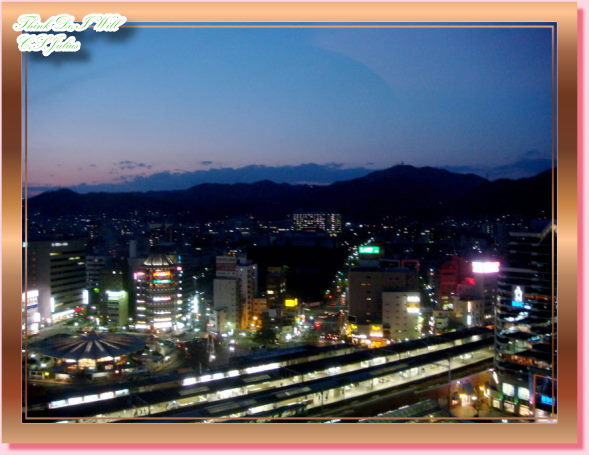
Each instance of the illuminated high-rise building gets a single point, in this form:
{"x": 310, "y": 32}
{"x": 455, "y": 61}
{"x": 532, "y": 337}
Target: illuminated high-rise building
{"x": 247, "y": 274}
{"x": 368, "y": 286}
{"x": 485, "y": 274}
{"x": 234, "y": 290}
{"x": 57, "y": 270}
{"x": 317, "y": 221}
{"x": 452, "y": 273}
{"x": 114, "y": 298}
{"x": 525, "y": 327}
{"x": 275, "y": 286}
{"x": 94, "y": 265}
{"x": 402, "y": 315}
{"x": 226, "y": 293}
{"x": 159, "y": 293}
{"x": 30, "y": 311}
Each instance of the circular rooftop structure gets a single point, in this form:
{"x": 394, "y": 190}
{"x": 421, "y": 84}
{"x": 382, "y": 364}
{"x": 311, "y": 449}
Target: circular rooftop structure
{"x": 161, "y": 260}
{"x": 91, "y": 346}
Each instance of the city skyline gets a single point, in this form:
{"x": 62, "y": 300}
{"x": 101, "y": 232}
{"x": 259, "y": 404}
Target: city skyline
{"x": 350, "y": 304}
{"x": 340, "y": 98}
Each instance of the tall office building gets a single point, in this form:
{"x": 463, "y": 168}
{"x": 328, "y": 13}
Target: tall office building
{"x": 401, "y": 314}
{"x": 452, "y": 273}
{"x": 94, "y": 265}
{"x": 114, "y": 298}
{"x": 275, "y": 286}
{"x": 193, "y": 265}
{"x": 367, "y": 286}
{"x": 158, "y": 293}
{"x": 468, "y": 312}
{"x": 57, "y": 270}
{"x": 226, "y": 293}
{"x": 226, "y": 303}
{"x": 247, "y": 274}
{"x": 317, "y": 221}
{"x": 485, "y": 275}
{"x": 30, "y": 311}
{"x": 234, "y": 289}
{"x": 525, "y": 327}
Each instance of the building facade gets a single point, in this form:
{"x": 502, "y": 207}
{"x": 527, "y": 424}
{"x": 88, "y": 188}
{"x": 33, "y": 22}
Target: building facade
{"x": 275, "y": 286}
{"x": 234, "y": 289}
{"x": 31, "y": 317}
{"x": 247, "y": 274}
{"x": 57, "y": 270}
{"x": 159, "y": 302}
{"x": 366, "y": 288}
{"x": 452, "y": 273}
{"x": 525, "y": 326}
{"x": 94, "y": 265}
{"x": 402, "y": 315}
{"x": 114, "y": 298}
{"x": 317, "y": 221}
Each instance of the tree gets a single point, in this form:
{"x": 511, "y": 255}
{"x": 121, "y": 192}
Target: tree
{"x": 311, "y": 336}
{"x": 265, "y": 336}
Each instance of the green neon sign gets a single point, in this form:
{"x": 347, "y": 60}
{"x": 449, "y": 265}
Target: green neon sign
{"x": 366, "y": 249}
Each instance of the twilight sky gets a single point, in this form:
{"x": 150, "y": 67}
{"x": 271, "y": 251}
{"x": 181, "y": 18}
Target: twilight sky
{"x": 171, "y": 101}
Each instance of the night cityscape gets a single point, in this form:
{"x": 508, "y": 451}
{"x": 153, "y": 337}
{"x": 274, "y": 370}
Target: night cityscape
{"x": 199, "y": 285}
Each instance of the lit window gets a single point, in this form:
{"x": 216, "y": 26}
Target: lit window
{"x": 524, "y": 411}
{"x": 508, "y": 389}
{"x": 523, "y": 393}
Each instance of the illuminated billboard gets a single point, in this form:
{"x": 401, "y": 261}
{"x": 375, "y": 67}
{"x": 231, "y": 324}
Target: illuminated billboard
{"x": 368, "y": 249}
{"x": 161, "y": 274}
{"x": 517, "y": 299}
{"x": 291, "y": 303}
{"x": 485, "y": 266}
{"x": 115, "y": 294}
{"x": 376, "y": 330}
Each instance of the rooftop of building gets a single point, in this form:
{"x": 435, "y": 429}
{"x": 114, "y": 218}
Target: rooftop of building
{"x": 161, "y": 260}
{"x": 381, "y": 269}
{"x": 88, "y": 346}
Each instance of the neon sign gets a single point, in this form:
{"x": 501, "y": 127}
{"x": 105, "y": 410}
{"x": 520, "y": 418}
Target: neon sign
{"x": 365, "y": 249}
{"x": 485, "y": 266}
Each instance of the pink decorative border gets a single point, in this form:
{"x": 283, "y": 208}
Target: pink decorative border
{"x": 446, "y": 449}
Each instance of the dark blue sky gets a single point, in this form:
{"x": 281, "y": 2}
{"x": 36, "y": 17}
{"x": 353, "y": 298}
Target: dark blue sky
{"x": 145, "y": 101}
